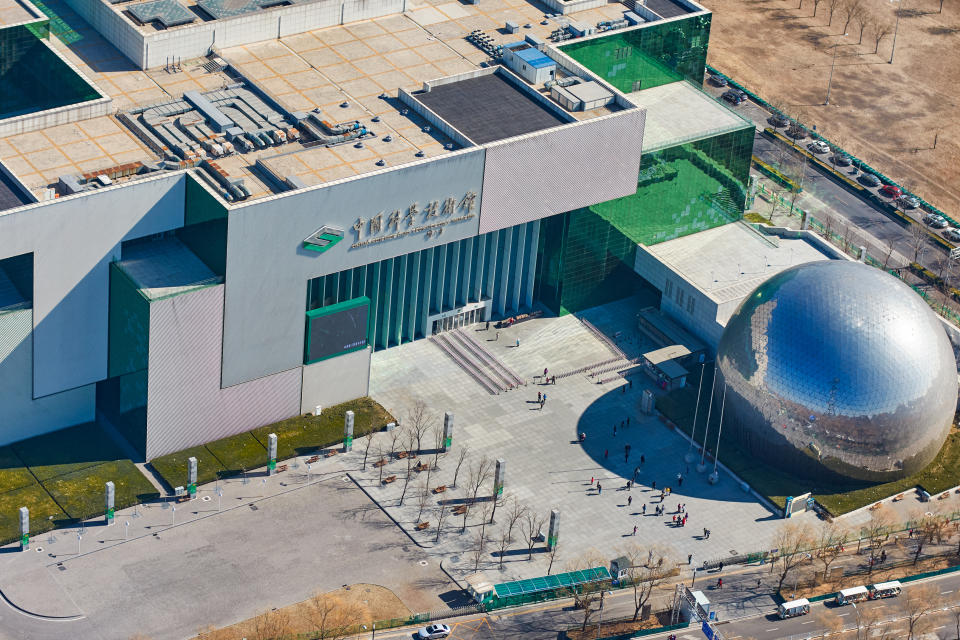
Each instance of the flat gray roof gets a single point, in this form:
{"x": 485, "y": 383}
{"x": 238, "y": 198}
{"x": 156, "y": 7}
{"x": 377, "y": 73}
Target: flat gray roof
{"x": 728, "y": 262}
{"x": 165, "y": 267}
{"x": 488, "y": 108}
{"x": 678, "y": 111}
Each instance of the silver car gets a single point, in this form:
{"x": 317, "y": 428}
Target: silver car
{"x": 432, "y": 631}
{"x": 935, "y": 221}
{"x": 952, "y": 234}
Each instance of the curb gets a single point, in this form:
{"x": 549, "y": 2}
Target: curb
{"x": 387, "y": 513}
{"x": 37, "y": 616}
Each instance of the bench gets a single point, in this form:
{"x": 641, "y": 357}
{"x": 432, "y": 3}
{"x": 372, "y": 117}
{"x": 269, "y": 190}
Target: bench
{"x": 896, "y": 498}
{"x": 459, "y": 510}
{"x": 422, "y": 466}
{"x": 379, "y": 463}
{"x": 313, "y": 459}
{"x": 440, "y": 489}
{"x": 184, "y": 498}
{"x": 401, "y": 455}
{"x": 423, "y": 525}
{"x": 330, "y": 453}
{"x": 282, "y": 467}
{"x": 389, "y": 479}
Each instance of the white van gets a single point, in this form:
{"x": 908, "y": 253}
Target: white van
{"x": 885, "y": 590}
{"x": 853, "y": 594}
{"x": 793, "y": 608}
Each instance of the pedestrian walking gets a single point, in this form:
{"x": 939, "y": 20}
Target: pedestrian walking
{"x": 704, "y": 533}
{"x": 544, "y": 398}
{"x": 634, "y": 529}
{"x": 674, "y": 520}
{"x": 629, "y": 500}
{"x": 683, "y": 507}
{"x": 628, "y": 421}
{"x": 539, "y": 395}
{"x": 720, "y": 567}
{"x": 518, "y": 342}
{"x": 488, "y": 326}
{"x": 606, "y": 453}
{"x": 599, "y": 488}
{"x": 626, "y": 453}
{"x": 719, "y": 583}
{"x": 689, "y": 558}
{"x": 629, "y": 484}
{"x": 679, "y": 481}
{"x": 644, "y": 510}
{"x": 654, "y": 485}
{"x": 497, "y": 339}
{"x": 544, "y": 372}
{"x": 758, "y": 583}
{"x": 636, "y": 472}
{"x": 614, "y": 431}
{"x": 642, "y": 460}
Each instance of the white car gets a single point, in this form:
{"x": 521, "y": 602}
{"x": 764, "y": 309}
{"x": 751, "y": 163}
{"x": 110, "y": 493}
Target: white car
{"x": 433, "y": 631}
{"x": 818, "y": 146}
{"x": 952, "y": 234}
{"x": 935, "y": 221}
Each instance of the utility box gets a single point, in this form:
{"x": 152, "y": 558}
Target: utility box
{"x": 511, "y": 26}
{"x": 528, "y": 62}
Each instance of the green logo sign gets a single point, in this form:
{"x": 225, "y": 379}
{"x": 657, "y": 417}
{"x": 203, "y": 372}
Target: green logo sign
{"x": 500, "y": 490}
{"x": 552, "y": 541}
{"x": 322, "y": 239}
{"x": 24, "y": 540}
{"x": 191, "y": 489}
{"x": 348, "y": 440}
{"x": 110, "y": 513}
{"x": 447, "y": 441}
{"x": 272, "y": 464}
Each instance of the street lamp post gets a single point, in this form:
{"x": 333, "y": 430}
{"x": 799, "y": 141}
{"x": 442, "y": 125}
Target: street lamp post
{"x": 832, "y": 67}
{"x": 896, "y": 28}
{"x": 858, "y": 618}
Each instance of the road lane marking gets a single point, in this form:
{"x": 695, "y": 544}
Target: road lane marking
{"x": 807, "y": 622}
{"x": 840, "y": 615}
{"x": 943, "y": 593}
{"x": 774, "y": 629}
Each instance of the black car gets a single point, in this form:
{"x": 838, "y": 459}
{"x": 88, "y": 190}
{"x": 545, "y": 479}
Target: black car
{"x": 718, "y": 81}
{"x": 841, "y": 160}
{"x": 734, "y": 96}
{"x": 778, "y": 120}
{"x": 870, "y": 180}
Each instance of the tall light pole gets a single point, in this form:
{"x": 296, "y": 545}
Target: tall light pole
{"x": 895, "y": 29}
{"x": 858, "y": 618}
{"x": 690, "y": 457}
{"x": 832, "y": 67}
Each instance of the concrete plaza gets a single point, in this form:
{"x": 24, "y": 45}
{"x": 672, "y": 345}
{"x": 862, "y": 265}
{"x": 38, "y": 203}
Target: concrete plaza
{"x": 546, "y": 467}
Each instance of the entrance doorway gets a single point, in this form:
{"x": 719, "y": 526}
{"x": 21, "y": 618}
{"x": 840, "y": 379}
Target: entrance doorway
{"x": 456, "y": 321}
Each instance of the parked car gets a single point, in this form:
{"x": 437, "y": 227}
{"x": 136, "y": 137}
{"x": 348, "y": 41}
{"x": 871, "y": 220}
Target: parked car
{"x": 870, "y": 180}
{"x": 841, "y": 160}
{"x": 952, "y": 234}
{"x": 734, "y": 96}
{"x": 935, "y": 221}
{"x": 718, "y": 81}
{"x": 432, "y": 631}
{"x": 890, "y": 191}
{"x": 818, "y": 146}
{"x": 796, "y": 131}
{"x": 908, "y": 202}
{"x": 778, "y": 120}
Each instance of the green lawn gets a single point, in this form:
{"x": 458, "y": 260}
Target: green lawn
{"x": 41, "y": 506}
{"x": 66, "y": 451}
{"x": 305, "y": 434}
{"x": 173, "y": 467}
{"x": 13, "y": 474}
{"x": 81, "y": 493}
{"x": 238, "y": 453}
{"x": 942, "y": 473}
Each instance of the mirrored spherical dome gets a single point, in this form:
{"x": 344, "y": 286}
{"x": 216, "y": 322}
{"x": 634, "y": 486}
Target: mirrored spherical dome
{"x": 835, "y": 370}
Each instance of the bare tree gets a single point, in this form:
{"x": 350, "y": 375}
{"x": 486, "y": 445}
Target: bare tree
{"x": 409, "y": 440}
{"x": 585, "y": 596}
{"x": 918, "y": 239}
{"x": 419, "y": 421}
{"x": 480, "y": 472}
{"x": 792, "y": 540}
{"x": 829, "y": 623}
{"x": 915, "y": 603}
{"x": 530, "y": 527}
{"x": 648, "y": 567}
{"x": 484, "y": 511}
{"x": 479, "y": 545}
{"x": 816, "y": 5}
{"x": 438, "y": 449}
{"x": 832, "y": 7}
{"x": 443, "y": 512}
{"x": 367, "y": 443}
{"x": 888, "y": 252}
{"x": 423, "y": 497}
{"x": 331, "y": 617}
{"x": 928, "y": 527}
{"x": 831, "y": 537}
{"x": 849, "y": 10}
{"x": 515, "y": 511}
{"x": 462, "y": 455}
{"x": 881, "y": 29}
{"x": 956, "y": 618}
{"x": 876, "y": 531}
{"x": 271, "y": 624}
{"x": 503, "y": 541}
{"x": 395, "y": 435}
{"x": 862, "y": 19}
{"x": 552, "y": 555}
{"x": 382, "y": 462}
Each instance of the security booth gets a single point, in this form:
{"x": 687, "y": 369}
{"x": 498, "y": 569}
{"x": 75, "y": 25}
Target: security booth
{"x": 479, "y": 587}
{"x": 793, "y": 608}
{"x": 853, "y": 594}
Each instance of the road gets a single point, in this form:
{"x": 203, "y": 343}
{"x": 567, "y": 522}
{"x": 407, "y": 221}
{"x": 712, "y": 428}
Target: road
{"x": 546, "y": 621}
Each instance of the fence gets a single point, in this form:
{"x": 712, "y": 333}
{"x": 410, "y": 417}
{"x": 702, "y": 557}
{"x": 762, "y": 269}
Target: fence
{"x": 860, "y": 164}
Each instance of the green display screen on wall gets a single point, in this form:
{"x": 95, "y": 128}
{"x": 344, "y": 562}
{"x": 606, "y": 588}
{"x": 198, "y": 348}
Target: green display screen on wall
{"x": 337, "y": 329}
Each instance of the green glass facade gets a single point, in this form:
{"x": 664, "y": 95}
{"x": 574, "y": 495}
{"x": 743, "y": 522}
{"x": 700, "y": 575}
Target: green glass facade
{"x": 32, "y": 77}
{"x": 649, "y": 55}
{"x": 405, "y": 291}
{"x": 685, "y": 188}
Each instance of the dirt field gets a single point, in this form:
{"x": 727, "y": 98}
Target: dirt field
{"x": 356, "y": 604}
{"x": 887, "y": 114}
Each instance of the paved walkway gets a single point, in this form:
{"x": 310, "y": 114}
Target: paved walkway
{"x": 546, "y": 467}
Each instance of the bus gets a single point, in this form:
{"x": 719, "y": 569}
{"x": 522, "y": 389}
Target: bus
{"x": 885, "y": 590}
{"x": 793, "y": 608}
{"x": 853, "y": 594}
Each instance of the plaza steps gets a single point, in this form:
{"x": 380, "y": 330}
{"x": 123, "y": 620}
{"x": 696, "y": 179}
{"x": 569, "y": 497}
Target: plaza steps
{"x": 467, "y": 364}
{"x": 502, "y": 370}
